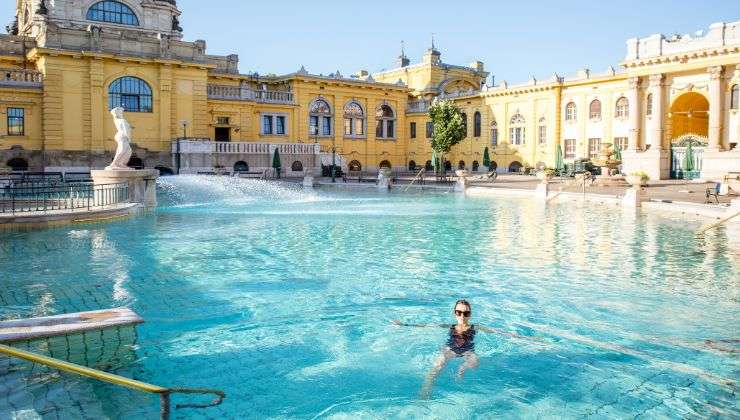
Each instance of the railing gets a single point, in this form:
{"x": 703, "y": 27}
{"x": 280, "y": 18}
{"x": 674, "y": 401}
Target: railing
{"x": 164, "y": 393}
{"x": 28, "y": 197}
{"x": 254, "y": 148}
{"x": 239, "y": 93}
{"x": 51, "y": 177}
{"x": 20, "y": 77}
{"x": 421, "y": 106}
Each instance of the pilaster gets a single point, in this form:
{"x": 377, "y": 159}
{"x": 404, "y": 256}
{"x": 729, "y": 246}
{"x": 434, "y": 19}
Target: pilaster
{"x": 715, "y": 108}
{"x": 656, "y": 118}
{"x": 635, "y": 113}
{"x": 97, "y": 107}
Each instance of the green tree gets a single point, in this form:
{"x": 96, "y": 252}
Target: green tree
{"x": 449, "y": 128}
{"x": 486, "y": 158}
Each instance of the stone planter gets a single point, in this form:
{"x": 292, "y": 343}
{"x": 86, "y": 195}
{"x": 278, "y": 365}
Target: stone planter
{"x": 635, "y": 180}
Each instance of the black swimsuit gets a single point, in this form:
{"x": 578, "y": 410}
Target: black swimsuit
{"x": 461, "y": 343}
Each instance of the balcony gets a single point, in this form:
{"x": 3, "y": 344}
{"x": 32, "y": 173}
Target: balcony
{"x": 205, "y": 146}
{"x": 21, "y": 78}
{"x": 418, "y": 107}
{"x": 237, "y": 93}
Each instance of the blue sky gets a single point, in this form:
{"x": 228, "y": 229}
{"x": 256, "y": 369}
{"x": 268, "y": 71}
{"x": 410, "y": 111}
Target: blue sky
{"x": 515, "y": 39}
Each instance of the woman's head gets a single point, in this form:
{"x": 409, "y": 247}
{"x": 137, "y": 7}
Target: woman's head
{"x": 462, "y": 310}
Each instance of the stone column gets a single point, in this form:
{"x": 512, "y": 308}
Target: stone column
{"x": 635, "y": 113}
{"x": 736, "y": 79}
{"x": 715, "y": 108}
{"x": 656, "y": 127}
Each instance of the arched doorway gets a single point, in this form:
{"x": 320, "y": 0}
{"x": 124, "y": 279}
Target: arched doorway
{"x": 297, "y": 166}
{"x": 461, "y": 165}
{"x": 355, "y": 166}
{"x": 428, "y": 166}
{"x": 412, "y": 165}
{"x": 493, "y": 166}
{"x": 18, "y": 164}
{"x": 241, "y": 166}
{"x": 385, "y": 164}
{"x": 448, "y": 165}
{"x": 476, "y": 165}
{"x": 515, "y": 166}
{"x": 689, "y": 126}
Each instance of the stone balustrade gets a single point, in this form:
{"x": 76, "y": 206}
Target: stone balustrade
{"x": 238, "y": 93}
{"x": 420, "y": 106}
{"x": 20, "y": 77}
{"x": 719, "y": 35}
{"x": 234, "y": 148}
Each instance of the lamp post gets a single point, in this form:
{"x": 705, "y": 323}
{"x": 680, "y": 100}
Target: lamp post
{"x": 184, "y": 128}
{"x": 333, "y": 158}
{"x": 315, "y": 142}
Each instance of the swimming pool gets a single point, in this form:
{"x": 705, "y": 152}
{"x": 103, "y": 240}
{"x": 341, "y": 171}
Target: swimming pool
{"x": 284, "y": 299}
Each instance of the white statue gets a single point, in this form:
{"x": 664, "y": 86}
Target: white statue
{"x": 123, "y": 139}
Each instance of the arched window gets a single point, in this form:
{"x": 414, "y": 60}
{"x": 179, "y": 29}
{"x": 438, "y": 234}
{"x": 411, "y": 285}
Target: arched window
{"x": 494, "y": 134}
{"x": 130, "y": 93}
{"x": 542, "y": 131}
{"x": 464, "y": 117}
{"x": 297, "y": 166}
{"x": 476, "y": 124}
{"x": 594, "y": 110}
{"x": 112, "y": 12}
{"x": 385, "y": 164}
{"x": 355, "y": 166}
{"x": 319, "y": 118}
{"x": 386, "y": 119}
{"x": 649, "y": 104}
{"x": 412, "y": 165}
{"x": 735, "y": 97}
{"x": 517, "y": 131}
{"x": 570, "y": 111}
{"x": 354, "y": 120}
{"x": 622, "y": 108}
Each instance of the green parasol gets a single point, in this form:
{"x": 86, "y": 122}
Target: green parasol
{"x": 618, "y": 153}
{"x": 435, "y": 161}
{"x": 276, "y": 162}
{"x": 486, "y": 158}
{"x": 688, "y": 161}
{"x": 559, "y": 164}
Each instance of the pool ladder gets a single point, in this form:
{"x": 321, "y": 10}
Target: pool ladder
{"x": 164, "y": 393}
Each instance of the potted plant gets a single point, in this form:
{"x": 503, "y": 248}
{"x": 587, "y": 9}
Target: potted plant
{"x": 637, "y": 179}
{"x": 546, "y": 174}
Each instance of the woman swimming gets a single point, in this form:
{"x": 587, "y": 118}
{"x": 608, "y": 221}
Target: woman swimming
{"x": 461, "y": 343}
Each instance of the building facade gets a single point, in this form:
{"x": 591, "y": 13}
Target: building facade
{"x": 65, "y": 63}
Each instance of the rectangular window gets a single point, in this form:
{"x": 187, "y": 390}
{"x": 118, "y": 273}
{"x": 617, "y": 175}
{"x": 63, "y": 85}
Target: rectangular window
{"x": 348, "y": 126}
{"x": 280, "y": 125}
{"x": 594, "y": 147}
{"x": 570, "y": 148}
{"x": 543, "y": 134}
{"x": 390, "y": 130}
{"x": 16, "y": 122}
{"x": 494, "y": 137}
{"x": 621, "y": 143}
{"x": 379, "y": 129}
{"x": 359, "y": 127}
{"x": 326, "y": 126}
{"x": 267, "y": 124}
{"x": 412, "y": 130}
{"x": 222, "y": 120}
{"x": 430, "y": 129}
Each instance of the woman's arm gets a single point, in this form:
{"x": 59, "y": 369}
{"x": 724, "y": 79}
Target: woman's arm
{"x": 401, "y": 324}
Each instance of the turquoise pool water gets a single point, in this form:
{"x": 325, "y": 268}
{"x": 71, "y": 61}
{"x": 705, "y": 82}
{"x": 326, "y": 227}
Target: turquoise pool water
{"x": 284, "y": 299}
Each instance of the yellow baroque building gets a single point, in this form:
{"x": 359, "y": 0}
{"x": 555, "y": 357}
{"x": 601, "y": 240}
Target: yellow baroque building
{"x": 66, "y": 63}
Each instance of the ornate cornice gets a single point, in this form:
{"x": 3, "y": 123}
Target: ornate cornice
{"x": 715, "y": 72}
{"x": 633, "y": 82}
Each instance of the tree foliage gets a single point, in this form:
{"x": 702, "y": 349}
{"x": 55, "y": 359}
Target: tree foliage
{"x": 449, "y": 128}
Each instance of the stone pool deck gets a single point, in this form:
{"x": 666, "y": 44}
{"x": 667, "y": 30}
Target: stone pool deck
{"x": 50, "y": 218}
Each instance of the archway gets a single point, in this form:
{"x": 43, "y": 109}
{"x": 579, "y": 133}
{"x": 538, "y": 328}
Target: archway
{"x": 164, "y": 171}
{"x": 297, "y": 166}
{"x": 461, "y": 165}
{"x": 515, "y": 166}
{"x": 135, "y": 162}
{"x": 355, "y": 166}
{"x": 690, "y": 115}
{"x": 428, "y": 166}
{"x": 476, "y": 165}
{"x": 385, "y": 164}
{"x": 412, "y": 165}
{"x": 241, "y": 166}
{"x": 448, "y": 165}
{"x": 18, "y": 164}
{"x": 493, "y": 166}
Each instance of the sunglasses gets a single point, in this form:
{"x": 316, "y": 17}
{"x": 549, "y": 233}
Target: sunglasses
{"x": 466, "y": 314}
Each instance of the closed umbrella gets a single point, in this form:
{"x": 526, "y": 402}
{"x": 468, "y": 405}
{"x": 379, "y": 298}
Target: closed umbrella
{"x": 559, "y": 164}
{"x": 688, "y": 162}
{"x": 618, "y": 153}
{"x": 486, "y": 158}
{"x": 276, "y": 162}
{"x": 435, "y": 161}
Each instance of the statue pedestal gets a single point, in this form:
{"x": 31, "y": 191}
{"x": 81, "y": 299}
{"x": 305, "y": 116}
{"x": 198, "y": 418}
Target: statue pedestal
{"x": 384, "y": 179}
{"x": 142, "y": 185}
{"x": 462, "y": 180}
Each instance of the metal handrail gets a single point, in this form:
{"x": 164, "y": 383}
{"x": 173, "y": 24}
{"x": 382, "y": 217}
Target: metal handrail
{"x": 164, "y": 393}
{"x": 35, "y": 197}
